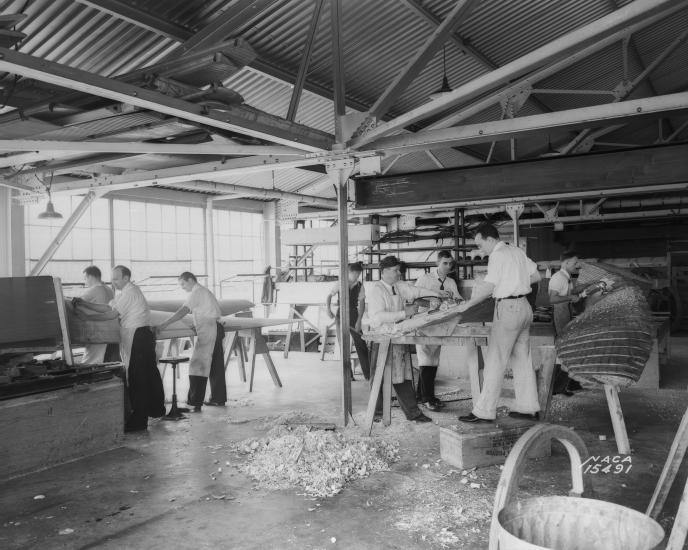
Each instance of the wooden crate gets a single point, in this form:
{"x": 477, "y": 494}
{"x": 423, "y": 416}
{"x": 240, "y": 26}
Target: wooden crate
{"x": 46, "y": 429}
{"x": 476, "y": 445}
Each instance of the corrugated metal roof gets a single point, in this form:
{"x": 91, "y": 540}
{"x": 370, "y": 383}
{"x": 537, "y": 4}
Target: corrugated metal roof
{"x": 378, "y": 39}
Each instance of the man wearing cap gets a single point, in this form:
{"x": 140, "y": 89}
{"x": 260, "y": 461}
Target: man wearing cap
{"x": 429, "y": 355}
{"x": 386, "y": 307}
{"x": 509, "y": 276}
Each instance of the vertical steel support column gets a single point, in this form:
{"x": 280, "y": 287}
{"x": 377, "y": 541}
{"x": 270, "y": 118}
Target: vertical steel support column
{"x": 210, "y": 248}
{"x": 63, "y": 233}
{"x": 344, "y": 305}
{"x": 462, "y": 221}
{"x": 111, "y": 230}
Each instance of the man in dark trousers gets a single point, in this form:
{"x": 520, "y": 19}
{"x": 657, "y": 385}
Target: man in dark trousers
{"x": 386, "y": 306}
{"x": 356, "y": 311}
{"x": 137, "y": 347}
{"x": 207, "y": 359}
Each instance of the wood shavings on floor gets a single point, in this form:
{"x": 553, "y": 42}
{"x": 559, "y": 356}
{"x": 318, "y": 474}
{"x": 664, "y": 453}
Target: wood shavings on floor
{"x": 321, "y": 462}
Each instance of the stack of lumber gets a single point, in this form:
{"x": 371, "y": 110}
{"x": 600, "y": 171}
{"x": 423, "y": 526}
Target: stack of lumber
{"x": 611, "y": 341}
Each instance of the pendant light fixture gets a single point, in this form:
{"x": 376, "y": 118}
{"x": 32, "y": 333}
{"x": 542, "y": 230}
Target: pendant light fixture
{"x": 50, "y": 212}
{"x": 445, "y": 88}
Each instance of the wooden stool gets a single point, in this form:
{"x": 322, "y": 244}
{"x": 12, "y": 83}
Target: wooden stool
{"x": 175, "y": 413}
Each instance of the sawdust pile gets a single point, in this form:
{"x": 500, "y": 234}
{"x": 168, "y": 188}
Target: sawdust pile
{"x": 318, "y": 461}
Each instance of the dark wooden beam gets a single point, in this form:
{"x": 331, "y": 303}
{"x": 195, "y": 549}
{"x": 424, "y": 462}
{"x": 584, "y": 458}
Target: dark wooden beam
{"x": 618, "y": 172}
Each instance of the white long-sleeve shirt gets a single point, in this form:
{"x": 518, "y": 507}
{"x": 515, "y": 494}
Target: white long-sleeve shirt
{"x": 433, "y": 281}
{"x": 386, "y": 302}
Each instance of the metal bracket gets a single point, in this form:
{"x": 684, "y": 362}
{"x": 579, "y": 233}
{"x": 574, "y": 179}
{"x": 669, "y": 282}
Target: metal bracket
{"x": 513, "y": 100}
{"x": 340, "y": 164}
{"x": 622, "y": 89}
{"x": 550, "y": 214}
{"x": 584, "y": 146}
{"x": 514, "y": 210}
{"x": 368, "y": 124}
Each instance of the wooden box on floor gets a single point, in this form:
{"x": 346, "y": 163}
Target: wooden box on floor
{"x": 46, "y": 429}
{"x": 477, "y": 445}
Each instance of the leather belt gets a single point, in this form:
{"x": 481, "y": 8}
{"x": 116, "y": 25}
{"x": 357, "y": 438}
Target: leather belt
{"x": 512, "y": 297}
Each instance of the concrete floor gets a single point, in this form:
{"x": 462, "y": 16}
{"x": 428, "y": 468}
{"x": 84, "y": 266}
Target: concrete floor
{"x": 156, "y": 491}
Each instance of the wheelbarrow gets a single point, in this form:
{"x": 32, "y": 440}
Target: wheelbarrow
{"x": 573, "y": 522}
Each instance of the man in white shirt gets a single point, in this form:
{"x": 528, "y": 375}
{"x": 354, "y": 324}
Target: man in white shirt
{"x": 207, "y": 359}
{"x": 429, "y": 355}
{"x": 509, "y": 276}
{"x": 137, "y": 347}
{"x": 385, "y": 307}
{"x": 96, "y": 293}
{"x": 561, "y": 292}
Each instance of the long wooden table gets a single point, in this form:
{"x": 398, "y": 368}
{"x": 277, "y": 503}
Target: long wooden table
{"x": 542, "y": 352}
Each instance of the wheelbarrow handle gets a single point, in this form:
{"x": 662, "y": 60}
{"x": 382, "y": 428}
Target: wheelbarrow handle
{"x": 516, "y": 462}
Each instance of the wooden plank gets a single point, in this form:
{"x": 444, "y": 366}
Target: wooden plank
{"x": 592, "y": 172}
{"x": 620, "y": 434}
{"x": 376, "y": 385}
{"x": 54, "y": 427}
{"x": 64, "y": 326}
{"x": 477, "y": 445}
{"x": 679, "y": 531}
{"x": 671, "y": 468}
{"x": 545, "y": 378}
{"x": 387, "y": 395}
{"x": 227, "y": 307}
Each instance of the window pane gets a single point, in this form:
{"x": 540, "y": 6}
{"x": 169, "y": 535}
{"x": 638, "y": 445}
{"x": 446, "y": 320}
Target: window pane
{"x": 122, "y": 248}
{"x": 101, "y": 243}
{"x": 222, "y": 248}
{"x": 154, "y": 247}
{"x": 235, "y": 223}
{"x": 169, "y": 246}
{"x": 120, "y": 211}
{"x": 153, "y": 217}
{"x": 197, "y": 247}
{"x": 182, "y": 251}
{"x": 138, "y": 245}
{"x": 182, "y": 218}
{"x": 100, "y": 214}
{"x": 169, "y": 224}
{"x": 81, "y": 244}
{"x": 196, "y": 220}
{"x": 137, "y": 216}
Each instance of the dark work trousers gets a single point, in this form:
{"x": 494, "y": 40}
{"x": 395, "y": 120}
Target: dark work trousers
{"x": 404, "y": 391}
{"x": 425, "y": 390}
{"x": 144, "y": 384}
{"x": 362, "y": 352}
{"x": 218, "y": 388}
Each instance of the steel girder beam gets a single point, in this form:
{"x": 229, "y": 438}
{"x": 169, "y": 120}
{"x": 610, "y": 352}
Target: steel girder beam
{"x": 559, "y": 49}
{"x": 260, "y": 65}
{"x": 181, "y": 174}
{"x": 256, "y": 192}
{"x": 414, "y": 66}
{"x": 238, "y": 15}
{"x": 647, "y": 169}
{"x": 136, "y": 16}
{"x": 305, "y": 61}
{"x": 240, "y": 119}
{"x": 142, "y": 148}
{"x": 517, "y": 127}
{"x": 337, "y": 69}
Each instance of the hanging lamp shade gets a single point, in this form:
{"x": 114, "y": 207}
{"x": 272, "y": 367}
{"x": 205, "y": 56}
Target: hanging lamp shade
{"x": 50, "y": 212}
{"x": 445, "y": 88}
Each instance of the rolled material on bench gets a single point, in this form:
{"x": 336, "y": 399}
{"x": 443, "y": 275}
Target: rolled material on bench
{"x": 227, "y": 307}
{"x": 609, "y": 343}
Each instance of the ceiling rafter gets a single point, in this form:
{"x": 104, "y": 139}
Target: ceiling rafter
{"x": 240, "y": 119}
{"x": 556, "y": 50}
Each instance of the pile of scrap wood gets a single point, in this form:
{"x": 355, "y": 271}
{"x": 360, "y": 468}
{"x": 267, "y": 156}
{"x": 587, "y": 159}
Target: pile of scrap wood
{"x": 611, "y": 341}
{"x": 318, "y": 461}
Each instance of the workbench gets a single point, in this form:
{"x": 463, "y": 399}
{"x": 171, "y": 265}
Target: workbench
{"x": 470, "y": 334}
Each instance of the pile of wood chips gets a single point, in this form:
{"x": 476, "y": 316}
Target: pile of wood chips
{"x": 320, "y": 462}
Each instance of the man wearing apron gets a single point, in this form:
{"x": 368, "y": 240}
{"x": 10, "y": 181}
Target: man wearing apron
{"x": 137, "y": 348}
{"x": 386, "y": 307}
{"x": 429, "y": 355}
{"x": 510, "y": 274}
{"x": 561, "y": 296}
{"x": 207, "y": 359}
{"x": 97, "y": 293}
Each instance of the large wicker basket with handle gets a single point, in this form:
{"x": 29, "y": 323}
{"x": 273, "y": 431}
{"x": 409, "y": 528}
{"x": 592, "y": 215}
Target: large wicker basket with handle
{"x": 558, "y": 522}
